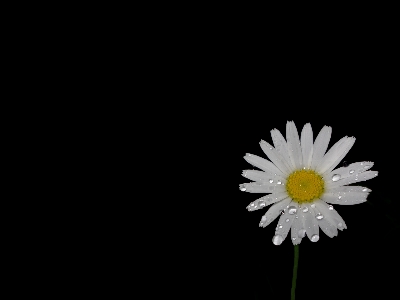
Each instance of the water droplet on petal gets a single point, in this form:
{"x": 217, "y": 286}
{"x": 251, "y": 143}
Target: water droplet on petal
{"x": 287, "y": 220}
{"x": 330, "y": 207}
{"x": 362, "y": 164}
{"x": 340, "y": 197}
{"x": 312, "y": 205}
{"x": 351, "y": 171}
{"x": 252, "y": 204}
{"x": 277, "y": 240}
{"x": 301, "y": 233}
{"x": 315, "y": 238}
{"x": 319, "y": 217}
{"x": 261, "y": 203}
{"x": 336, "y": 177}
{"x": 340, "y": 225}
{"x": 280, "y": 226}
{"x": 271, "y": 181}
{"x": 305, "y": 209}
{"x": 263, "y": 219}
{"x": 279, "y": 182}
{"x": 365, "y": 190}
{"x": 293, "y": 238}
{"x": 242, "y": 188}
{"x": 292, "y": 210}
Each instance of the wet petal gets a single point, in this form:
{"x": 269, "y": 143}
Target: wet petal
{"x": 353, "y": 179}
{"x": 296, "y": 227}
{"x": 267, "y": 200}
{"x": 274, "y": 212}
{"x": 351, "y": 170}
{"x": 345, "y": 198}
{"x": 261, "y": 176}
{"x": 259, "y": 187}
{"x": 285, "y": 223}
{"x": 333, "y": 217}
{"x": 311, "y": 224}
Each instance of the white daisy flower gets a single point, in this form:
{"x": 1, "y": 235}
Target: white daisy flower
{"x": 301, "y": 182}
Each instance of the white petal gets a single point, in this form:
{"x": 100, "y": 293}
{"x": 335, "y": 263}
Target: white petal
{"x": 331, "y": 215}
{"x": 262, "y": 164}
{"x": 310, "y": 222}
{"x": 353, "y": 179}
{"x": 320, "y": 145}
{"x": 307, "y": 145}
{"x": 285, "y": 221}
{"x": 343, "y": 198}
{"x": 274, "y": 212}
{"x": 293, "y": 143}
{"x": 267, "y": 200}
{"x": 281, "y": 146}
{"x": 261, "y": 176}
{"x": 335, "y": 154}
{"x": 345, "y": 189}
{"x": 275, "y": 157}
{"x": 327, "y": 227}
{"x": 351, "y": 170}
{"x": 296, "y": 226}
{"x": 261, "y": 187}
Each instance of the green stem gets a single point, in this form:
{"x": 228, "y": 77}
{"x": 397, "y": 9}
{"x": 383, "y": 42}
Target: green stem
{"x": 296, "y": 262}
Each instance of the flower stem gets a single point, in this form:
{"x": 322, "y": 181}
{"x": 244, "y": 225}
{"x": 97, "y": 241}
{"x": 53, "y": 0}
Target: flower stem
{"x": 296, "y": 261}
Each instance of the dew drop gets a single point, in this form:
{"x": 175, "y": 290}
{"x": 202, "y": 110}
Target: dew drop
{"x": 340, "y": 197}
{"x": 330, "y": 207}
{"x": 279, "y": 182}
{"x": 301, "y": 233}
{"x": 293, "y": 238}
{"x": 305, "y": 209}
{"x": 270, "y": 148}
{"x": 365, "y": 167}
{"x": 292, "y": 210}
{"x": 287, "y": 220}
{"x": 263, "y": 219}
{"x": 340, "y": 225}
{"x": 242, "y": 188}
{"x": 261, "y": 203}
{"x": 315, "y": 238}
{"x": 277, "y": 240}
{"x": 362, "y": 164}
{"x": 319, "y": 217}
{"x": 252, "y": 204}
{"x": 280, "y": 226}
{"x": 365, "y": 190}
{"x": 351, "y": 171}
{"x": 335, "y": 177}
{"x": 271, "y": 181}
{"x": 313, "y": 205}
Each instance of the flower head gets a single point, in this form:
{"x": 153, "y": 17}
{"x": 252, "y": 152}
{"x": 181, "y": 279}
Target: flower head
{"x": 300, "y": 180}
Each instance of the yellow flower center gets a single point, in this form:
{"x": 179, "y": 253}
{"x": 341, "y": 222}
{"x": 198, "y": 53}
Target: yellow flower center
{"x": 305, "y": 185}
